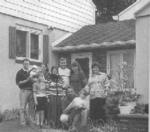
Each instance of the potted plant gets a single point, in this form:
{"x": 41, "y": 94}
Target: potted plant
{"x": 128, "y": 101}
{"x": 127, "y": 95}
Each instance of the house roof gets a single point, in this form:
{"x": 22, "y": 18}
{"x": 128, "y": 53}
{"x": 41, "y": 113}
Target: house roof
{"x": 111, "y": 34}
{"x": 142, "y": 8}
{"x": 129, "y": 12}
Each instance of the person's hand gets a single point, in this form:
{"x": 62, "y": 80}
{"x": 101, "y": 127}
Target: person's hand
{"x": 90, "y": 84}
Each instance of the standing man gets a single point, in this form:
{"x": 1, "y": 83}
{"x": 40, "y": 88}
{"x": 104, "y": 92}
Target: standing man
{"x": 24, "y": 82}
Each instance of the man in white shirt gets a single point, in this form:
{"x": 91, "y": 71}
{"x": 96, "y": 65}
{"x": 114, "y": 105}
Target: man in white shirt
{"x": 64, "y": 72}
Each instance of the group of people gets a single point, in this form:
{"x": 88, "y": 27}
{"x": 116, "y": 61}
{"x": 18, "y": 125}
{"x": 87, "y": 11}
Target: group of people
{"x": 84, "y": 97}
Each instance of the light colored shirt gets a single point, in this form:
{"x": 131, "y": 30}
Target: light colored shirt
{"x": 65, "y": 74}
{"x": 97, "y": 85}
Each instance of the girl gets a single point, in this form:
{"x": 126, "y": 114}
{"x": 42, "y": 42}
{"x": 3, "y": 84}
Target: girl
{"x": 40, "y": 98}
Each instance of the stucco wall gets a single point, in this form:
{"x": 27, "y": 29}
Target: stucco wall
{"x": 8, "y": 67}
{"x": 142, "y": 58}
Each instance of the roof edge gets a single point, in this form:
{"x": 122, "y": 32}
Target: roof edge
{"x": 139, "y": 10}
{"x": 128, "y": 8}
{"x": 95, "y": 46}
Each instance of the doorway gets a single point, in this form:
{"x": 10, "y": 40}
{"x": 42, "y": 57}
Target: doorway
{"x": 85, "y": 61}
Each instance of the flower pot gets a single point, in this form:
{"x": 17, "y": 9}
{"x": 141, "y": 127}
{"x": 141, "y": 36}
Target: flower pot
{"x": 125, "y": 109}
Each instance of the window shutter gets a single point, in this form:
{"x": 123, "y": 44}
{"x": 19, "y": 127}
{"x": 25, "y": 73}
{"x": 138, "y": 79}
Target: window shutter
{"x": 45, "y": 49}
{"x": 12, "y": 42}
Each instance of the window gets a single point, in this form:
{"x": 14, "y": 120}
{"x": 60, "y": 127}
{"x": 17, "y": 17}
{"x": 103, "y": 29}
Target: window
{"x": 34, "y": 54}
{"x": 27, "y": 44}
{"x": 21, "y": 38}
{"x": 120, "y": 64}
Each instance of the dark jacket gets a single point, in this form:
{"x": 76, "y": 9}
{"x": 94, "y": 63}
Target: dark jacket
{"x": 23, "y": 75}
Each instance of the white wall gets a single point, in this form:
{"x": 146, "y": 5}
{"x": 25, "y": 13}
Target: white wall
{"x": 8, "y": 67}
{"x": 142, "y": 56}
{"x": 68, "y": 15}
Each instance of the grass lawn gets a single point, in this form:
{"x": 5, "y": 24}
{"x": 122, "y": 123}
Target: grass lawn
{"x": 14, "y": 126}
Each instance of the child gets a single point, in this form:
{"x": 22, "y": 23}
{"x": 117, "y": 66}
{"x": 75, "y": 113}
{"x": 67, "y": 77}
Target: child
{"x": 40, "y": 98}
{"x": 64, "y": 72}
{"x": 74, "y": 110}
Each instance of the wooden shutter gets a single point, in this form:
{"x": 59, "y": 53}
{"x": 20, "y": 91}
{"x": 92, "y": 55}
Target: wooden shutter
{"x": 12, "y": 42}
{"x": 45, "y": 49}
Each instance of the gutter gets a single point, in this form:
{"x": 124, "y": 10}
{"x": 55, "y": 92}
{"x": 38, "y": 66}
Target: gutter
{"x": 116, "y": 44}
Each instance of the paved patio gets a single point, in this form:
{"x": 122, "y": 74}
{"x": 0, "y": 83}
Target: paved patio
{"x": 13, "y": 126}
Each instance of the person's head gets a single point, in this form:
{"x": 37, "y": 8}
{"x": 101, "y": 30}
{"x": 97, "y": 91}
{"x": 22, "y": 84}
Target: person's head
{"x": 43, "y": 68}
{"x": 75, "y": 67}
{"x": 63, "y": 62}
{"x": 54, "y": 70}
{"x": 40, "y": 76}
{"x": 26, "y": 64}
{"x": 83, "y": 94}
{"x": 95, "y": 68}
{"x": 34, "y": 68}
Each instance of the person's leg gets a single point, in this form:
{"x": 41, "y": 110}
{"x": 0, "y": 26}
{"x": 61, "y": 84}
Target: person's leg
{"x": 93, "y": 109}
{"x": 38, "y": 118}
{"x": 27, "y": 94}
{"x": 84, "y": 120}
{"x": 22, "y": 107}
{"x": 97, "y": 112}
{"x": 42, "y": 117}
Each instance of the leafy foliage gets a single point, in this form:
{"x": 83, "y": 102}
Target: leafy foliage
{"x": 107, "y": 8}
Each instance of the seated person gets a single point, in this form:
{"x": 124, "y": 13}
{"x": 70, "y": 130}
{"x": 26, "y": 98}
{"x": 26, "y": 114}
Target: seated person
{"x": 73, "y": 112}
{"x": 40, "y": 98}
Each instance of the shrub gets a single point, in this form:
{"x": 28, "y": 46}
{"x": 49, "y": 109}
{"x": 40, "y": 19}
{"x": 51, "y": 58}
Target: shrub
{"x": 10, "y": 114}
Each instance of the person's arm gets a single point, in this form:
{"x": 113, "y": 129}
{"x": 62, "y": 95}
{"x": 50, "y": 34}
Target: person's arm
{"x": 24, "y": 81}
{"x": 106, "y": 84}
{"x": 34, "y": 93}
{"x": 69, "y": 107}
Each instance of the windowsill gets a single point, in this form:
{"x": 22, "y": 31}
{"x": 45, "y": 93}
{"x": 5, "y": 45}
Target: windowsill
{"x": 32, "y": 61}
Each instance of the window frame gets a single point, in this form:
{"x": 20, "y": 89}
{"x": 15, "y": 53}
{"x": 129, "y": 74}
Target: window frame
{"x": 28, "y": 43}
{"x": 121, "y": 52}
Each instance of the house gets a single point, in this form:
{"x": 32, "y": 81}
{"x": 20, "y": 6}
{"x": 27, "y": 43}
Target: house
{"x": 110, "y": 44}
{"x": 142, "y": 51}
{"x": 28, "y": 28}
{"x": 129, "y": 12}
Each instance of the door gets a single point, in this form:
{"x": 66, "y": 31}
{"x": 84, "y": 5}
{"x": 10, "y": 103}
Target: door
{"x": 85, "y": 61}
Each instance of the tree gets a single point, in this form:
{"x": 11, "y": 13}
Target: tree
{"x": 107, "y": 8}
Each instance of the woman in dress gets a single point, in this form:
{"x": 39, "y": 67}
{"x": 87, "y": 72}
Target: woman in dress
{"x": 97, "y": 87}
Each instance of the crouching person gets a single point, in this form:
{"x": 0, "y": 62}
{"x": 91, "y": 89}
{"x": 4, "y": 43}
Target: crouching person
{"x": 40, "y": 99}
{"x": 73, "y": 113}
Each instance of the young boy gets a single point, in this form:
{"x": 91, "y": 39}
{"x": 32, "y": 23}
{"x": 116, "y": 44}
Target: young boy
{"x": 40, "y": 98}
{"x": 74, "y": 111}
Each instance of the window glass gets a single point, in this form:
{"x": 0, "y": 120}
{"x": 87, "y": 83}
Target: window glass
{"x": 128, "y": 59}
{"x": 122, "y": 68}
{"x": 34, "y": 51}
{"x": 21, "y": 37}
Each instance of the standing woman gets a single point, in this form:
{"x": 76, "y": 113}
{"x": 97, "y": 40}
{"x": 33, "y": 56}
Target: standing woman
{"x": 97, "y": 87}
{"x": 77, "y": 78}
